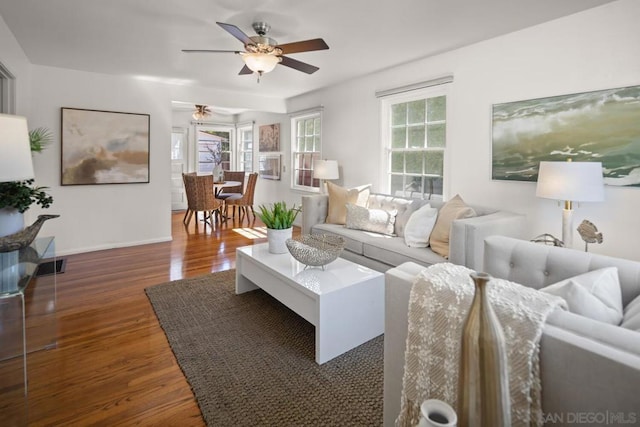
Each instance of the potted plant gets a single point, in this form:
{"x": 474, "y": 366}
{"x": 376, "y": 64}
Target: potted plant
{"x": 278, "y": 218}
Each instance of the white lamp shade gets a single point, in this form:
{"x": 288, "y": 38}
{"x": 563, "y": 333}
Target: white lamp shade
{"x": 572, "y": 181}
{"x": 325, "y": 169}
{"x": 260, "y": 62}
{"x": 15, "y": 160}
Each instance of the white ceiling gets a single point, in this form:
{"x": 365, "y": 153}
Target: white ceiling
{"x": 144, "y": 38}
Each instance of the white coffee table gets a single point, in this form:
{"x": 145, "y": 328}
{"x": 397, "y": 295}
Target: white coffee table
{"x": 345, "y": 302}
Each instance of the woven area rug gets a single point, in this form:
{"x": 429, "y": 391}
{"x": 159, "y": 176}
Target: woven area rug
{"x": 250, "y": 360}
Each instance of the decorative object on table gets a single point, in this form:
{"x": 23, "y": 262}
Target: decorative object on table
{"x": 483, "y": 390}
{"x": 278, "y": 218}
{"x": 269, "y": 166}
{"x": 104, "y": 147}
{"x": 269, "y": 138}
{"x": 437, "y": 413}
{"x": 589, "y": 233}
{"x": 23, "y": 238}
{"x": 325, "y": 170}
{"x": 548, "y": 239}
{"x": 571, "y": 182}
{"x": 577, "y": 126}
{"x": 202, "y": 112}
{"x": 316, "y": 250}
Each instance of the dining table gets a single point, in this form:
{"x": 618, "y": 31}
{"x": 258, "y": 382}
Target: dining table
{"x": 218, "y": 186}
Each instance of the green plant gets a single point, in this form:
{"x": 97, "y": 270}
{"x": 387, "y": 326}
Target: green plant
{"x": 278, "y": 216}
{"x": 40, "y": 138}
{"x": 22, "y": 194}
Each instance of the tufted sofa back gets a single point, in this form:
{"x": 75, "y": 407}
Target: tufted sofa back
{"x": 537, "y": 265}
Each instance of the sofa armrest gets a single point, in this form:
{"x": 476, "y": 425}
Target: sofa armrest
{"x": 397, "y": 289}
{"x": 314, "y": 211}
{"x": 466, "y": 242}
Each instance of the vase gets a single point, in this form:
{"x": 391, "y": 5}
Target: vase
{"x": 11, "y": 221}
{"x": 483, "y": 390}
{"x": 277, "y": 239}
{"x": 218, "y": 173}
{"x": 437, "y": 413}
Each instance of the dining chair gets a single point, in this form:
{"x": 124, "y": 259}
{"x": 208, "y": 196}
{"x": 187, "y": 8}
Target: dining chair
{"x": 200, "y": 198}
{"x": 244, "y": 202}
{"x": 238, "y": 190}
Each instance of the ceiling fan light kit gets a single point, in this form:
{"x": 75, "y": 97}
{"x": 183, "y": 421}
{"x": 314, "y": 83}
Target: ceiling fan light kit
{"x": 263, "y": 53}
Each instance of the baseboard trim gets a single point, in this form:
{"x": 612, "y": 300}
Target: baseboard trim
{"x": 112, "y": 246}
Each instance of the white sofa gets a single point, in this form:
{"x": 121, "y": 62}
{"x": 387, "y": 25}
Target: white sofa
{"x": 590, "y": 371}
{"x": 381, "y": 253}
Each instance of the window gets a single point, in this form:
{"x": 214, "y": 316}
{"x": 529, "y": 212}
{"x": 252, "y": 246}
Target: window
{"x": 414, "y": 138}
{"x": 245, "y": 148}
{"x": 213, "y": 147}
{"x": 306, "y": 146}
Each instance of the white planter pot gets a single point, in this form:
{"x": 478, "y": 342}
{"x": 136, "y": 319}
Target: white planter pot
{"x": 11, "y": 221}
{"x": 277, "y": 239}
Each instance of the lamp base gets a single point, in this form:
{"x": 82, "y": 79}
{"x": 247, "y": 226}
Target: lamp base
{"x": 567, "y": 227}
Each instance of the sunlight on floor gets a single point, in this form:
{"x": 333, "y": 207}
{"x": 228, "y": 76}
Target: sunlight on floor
{"x": 252, "y": 233}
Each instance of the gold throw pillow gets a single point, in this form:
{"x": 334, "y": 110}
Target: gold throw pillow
{"x": 450, "y": 211}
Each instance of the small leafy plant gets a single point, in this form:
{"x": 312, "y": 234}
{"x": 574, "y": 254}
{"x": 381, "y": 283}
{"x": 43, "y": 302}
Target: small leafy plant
{"x": 278, "y": 216}
{"x": 21, "y": 195}
{"x": 39, "y": 139}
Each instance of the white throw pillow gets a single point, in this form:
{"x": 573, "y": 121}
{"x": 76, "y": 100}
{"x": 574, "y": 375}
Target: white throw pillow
{"x": 419, "y": 226}
{"x": 375, "y": 220}
{"x": 631, "y": 318}
{"x": 595, "y": 294}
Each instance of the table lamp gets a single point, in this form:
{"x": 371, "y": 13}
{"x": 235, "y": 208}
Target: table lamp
{"x": 324, "y": 170}
{"x": 571, "y": 182}
{"x": 15, "y": 162}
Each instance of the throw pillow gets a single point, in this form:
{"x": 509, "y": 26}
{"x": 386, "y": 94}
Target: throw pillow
{"x": 375, "y": 220}
{"x": 419, "y": 226}
{"x": 631, "y": 318}
{"x": 449, "y": 212}
{"x": 338, "y": 199}
{"x": 595, "y": 294}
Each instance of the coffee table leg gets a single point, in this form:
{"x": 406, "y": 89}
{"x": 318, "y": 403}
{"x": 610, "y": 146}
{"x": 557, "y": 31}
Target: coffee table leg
{"x": 242, "y": 283}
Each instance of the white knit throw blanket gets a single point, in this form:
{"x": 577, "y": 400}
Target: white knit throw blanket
{"x": 438, "y": 305}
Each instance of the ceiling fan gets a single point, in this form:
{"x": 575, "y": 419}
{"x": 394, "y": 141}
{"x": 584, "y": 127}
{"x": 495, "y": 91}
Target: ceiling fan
{"x": 263, "y": 53}
{"x": 202, "y": 111}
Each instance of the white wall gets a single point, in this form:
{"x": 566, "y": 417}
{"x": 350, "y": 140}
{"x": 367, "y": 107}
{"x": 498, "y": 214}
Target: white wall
{"x": 14, "y": 59}
{"x": 592, "y": 50}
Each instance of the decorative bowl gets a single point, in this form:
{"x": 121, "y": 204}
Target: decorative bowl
{"x": 316, "y": 250}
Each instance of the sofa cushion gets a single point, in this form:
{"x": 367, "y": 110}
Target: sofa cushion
{"x": 404, "y": 207}
{"x": 631, "y": 317}
{"x": 375, "y": 220}
{"x": 340, "y": 196}
{"x": 393, "y": 251}
{"x": 419, "y": 227}
{"x": 595, "y": 294}
{"x": 454, "y": 209}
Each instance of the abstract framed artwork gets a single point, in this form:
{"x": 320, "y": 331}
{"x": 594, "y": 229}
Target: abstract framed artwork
{"x": 104, "y": 147}
{"x": 598, "y": 126}
{"x": 269, "y": 139}
{"x": 269, "y": 166}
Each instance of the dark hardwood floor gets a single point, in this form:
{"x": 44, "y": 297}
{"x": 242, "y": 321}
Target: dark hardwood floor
{"x": 112, "y": 364}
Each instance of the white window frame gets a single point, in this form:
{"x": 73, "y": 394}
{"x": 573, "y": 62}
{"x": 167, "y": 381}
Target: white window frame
{"x": 215, "y": 128}
{"x": 241, "y": 129}
{"x": 309, "y": 114}
{"x": 386, "y": 133}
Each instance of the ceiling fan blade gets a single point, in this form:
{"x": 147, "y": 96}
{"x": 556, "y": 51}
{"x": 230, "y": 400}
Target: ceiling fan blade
{"x": 236, "y": 32}
{"x": 245, "y": 70}
{"x": 209, "y": 51}
{"x": 298, "y": 65}
{"x": 303, "y": 46}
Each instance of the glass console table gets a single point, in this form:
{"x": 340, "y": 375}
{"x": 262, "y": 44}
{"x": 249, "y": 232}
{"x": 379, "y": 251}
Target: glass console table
{"x": 27, "y": 318}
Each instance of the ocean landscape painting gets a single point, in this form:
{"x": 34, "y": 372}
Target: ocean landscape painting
{"x": 104, "y": 147}
{"x": 600, "y": 126}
